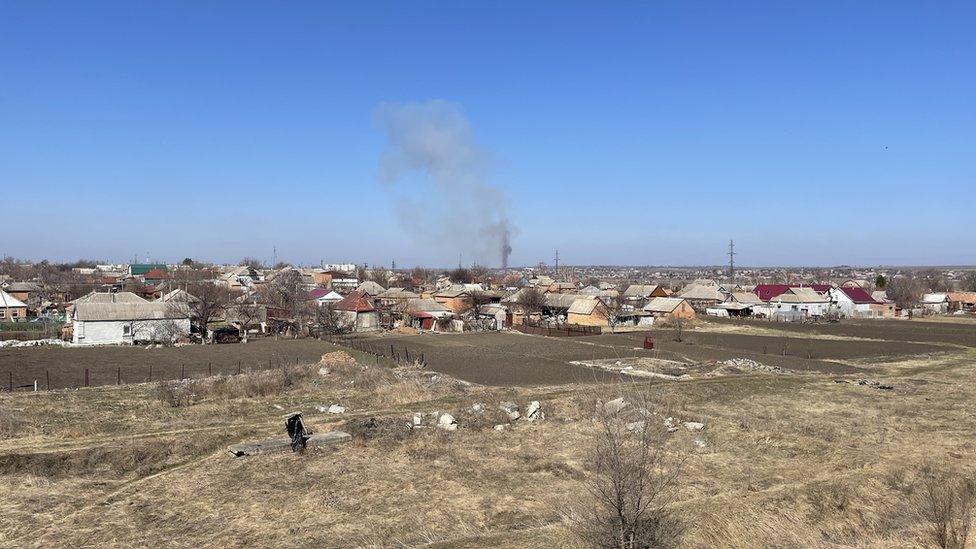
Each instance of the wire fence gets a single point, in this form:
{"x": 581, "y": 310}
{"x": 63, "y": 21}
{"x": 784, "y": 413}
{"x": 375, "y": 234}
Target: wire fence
{"x": 99, "y": 376}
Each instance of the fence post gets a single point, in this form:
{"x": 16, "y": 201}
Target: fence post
{"x": 209, "y": 369}
{"x": 47, "y": 377}
{"x": 35, "y": 385}
{"x": 11, "y": 374}
{"x": 118, "y": 376}
{"x": 182, "y": 371}
{"x": 238, "y": 367}
{"x": 407, "y": 351}
{"x": 87, "y": 378}
{"x": 150, "y": 372}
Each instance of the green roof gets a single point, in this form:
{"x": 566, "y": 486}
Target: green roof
{"x": 142, "y": 268}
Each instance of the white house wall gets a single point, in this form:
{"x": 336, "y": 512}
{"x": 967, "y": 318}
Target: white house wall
{"x": 112, "y": 332}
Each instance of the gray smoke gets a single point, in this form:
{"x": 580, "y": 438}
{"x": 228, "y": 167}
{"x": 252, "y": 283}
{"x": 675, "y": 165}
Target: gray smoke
{"x": 438, "y": 179}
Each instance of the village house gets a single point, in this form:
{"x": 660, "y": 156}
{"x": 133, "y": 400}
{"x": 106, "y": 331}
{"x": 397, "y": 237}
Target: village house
{"x": 242, "y": 278}
{"x": 456, "y": 298}
{"x": 637, "y": 295}
{"x": 588, "y": 311}
{"x": 670, "y": 307}
{"x": 796, "y": 304}
{"x": 855, "y": 302}
{"x": 357, "y": 312}
{"x": 100, "y": 323}
{"x": 935, "y": 303}
{"x": 11, "y": 308}
{"x": 962, "y": 301}
{"x": 394, "y": 297}
{"x": 370, "y": 288}
{"x": 702, "y": 296}
{"x": 323, "y": 297}
{"x": 737, "y": 304}
{"x": 425, "y": 314}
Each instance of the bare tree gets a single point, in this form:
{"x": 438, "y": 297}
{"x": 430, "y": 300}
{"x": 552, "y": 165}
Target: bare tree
{"x": 532, "y": 301}
{"x": 935, "y": 280}
{"x": 905, "y": 291}
{"x": 479, "y": 299}
{"x": 288, "y": 291}
{"x": 211, "y": 302}
{"x": 247, "y": 314}
{"x": 329, "y": 320}
{"x": 633, "y": 484}
{"x": 969, "y": 281}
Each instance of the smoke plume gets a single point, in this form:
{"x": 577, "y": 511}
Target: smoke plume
{"x": 438, "y": 180}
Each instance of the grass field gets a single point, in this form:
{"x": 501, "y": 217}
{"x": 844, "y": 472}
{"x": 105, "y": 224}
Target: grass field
{"x": 784, "y": 461}
{"x": 65, "y": 367}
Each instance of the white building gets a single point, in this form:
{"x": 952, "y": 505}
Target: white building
{"x": 937, "y": 303}
{"x": 796, "y": 304}
{"x": 120, "y": 323}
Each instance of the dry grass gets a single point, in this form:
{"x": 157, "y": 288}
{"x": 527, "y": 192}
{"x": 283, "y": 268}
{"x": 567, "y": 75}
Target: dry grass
{"x": 783, "y": 461}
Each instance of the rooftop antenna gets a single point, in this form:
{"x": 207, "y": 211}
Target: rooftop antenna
{"x": 732, "y": 261}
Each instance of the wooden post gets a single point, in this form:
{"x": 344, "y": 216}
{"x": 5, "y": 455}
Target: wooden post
{"x": 87, "y": 378}
{"x": 238, "y": 367}
{"x": 209, "y": 369}
{"x": 47, "y": 376}
{"x": 150, "y": 371}
{"x": 407, "y": 351}
{"x": 118, "y": 376}
{"x": 11, "y": 374}
{"x": 182, "y": 371}
{"x": 391, "y": 351}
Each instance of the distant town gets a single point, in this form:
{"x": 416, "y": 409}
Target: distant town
{"x": 89, "y": 303}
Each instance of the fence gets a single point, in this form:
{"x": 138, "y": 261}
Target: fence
{"x": 560, "y": 330}
{"x": 79, "y": 377}
{"x": 400, "y": 356}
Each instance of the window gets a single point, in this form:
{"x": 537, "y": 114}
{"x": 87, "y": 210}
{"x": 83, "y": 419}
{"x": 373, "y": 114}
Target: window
{"x": 3, "y": 314}
{"x": 14, "y": 314}
{"x": 126, "y": 330}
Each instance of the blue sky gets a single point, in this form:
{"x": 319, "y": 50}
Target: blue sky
{"x": 635, "y": 133}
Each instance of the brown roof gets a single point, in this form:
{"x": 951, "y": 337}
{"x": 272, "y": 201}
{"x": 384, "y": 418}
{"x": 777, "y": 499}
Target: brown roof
{"x": 355, "y": 302}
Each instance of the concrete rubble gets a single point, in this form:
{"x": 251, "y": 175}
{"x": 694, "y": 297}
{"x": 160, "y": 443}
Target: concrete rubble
{"x": 511, "y": 409}
{"x": 447, "y": 422}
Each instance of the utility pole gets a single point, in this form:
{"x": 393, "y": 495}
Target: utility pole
{"x": 393, "y": 265}
{"x": 732, "y": 261}
{"x": 274, "y": 256}
{"x": 459, "y": 260}
{"x": 557, "y": 263}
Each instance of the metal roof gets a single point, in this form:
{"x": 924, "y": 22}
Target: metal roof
{"x": 584, "y": 305}
{"x": 663, "y": 304}
{"x": 110, "y": 297}
{"x": 94, "y": 312}
{"x": 7, "y": 300}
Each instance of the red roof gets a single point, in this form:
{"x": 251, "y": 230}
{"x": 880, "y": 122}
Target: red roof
{"x": 156, "y": 274}
{"x": 858, "y": 295}
{"x": 355, "y": 302}
{"x": 769, "y": 291}
{"x": 318, "y": 292}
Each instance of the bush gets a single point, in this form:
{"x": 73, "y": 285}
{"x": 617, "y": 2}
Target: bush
{"x": 946, "y": 501}
{"x": 186, "y": 392}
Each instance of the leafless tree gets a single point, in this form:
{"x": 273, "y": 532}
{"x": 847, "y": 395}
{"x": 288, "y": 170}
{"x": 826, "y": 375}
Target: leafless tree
{"x": 288, "y": 291}
{"x": 935, "y": 280}
{"x": 531, "y": 300}
{"x": 211, "y": 302}
{"x": 479, "y": 299}
{"x": 633, "y": 484}
{"x": 969, "y": 281}
{"x": 252, "y": 262}
{"x": 247, "y": 314}
{"x": 905, "y": 291}
{"x": 329, "y": 320}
